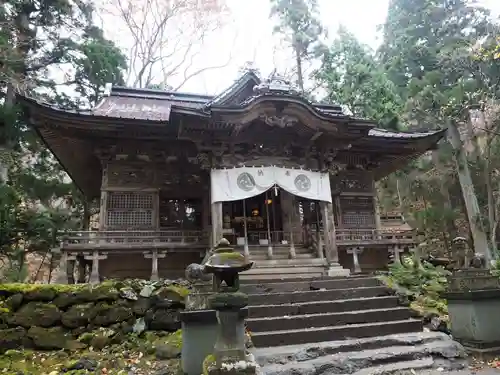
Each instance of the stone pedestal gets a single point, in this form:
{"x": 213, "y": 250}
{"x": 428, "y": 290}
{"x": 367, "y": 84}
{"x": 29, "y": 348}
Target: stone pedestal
{"x": 199, "y": 330}
{"x": 473, "y": 305}
{"x": 336, "y": 270}
{"x": 230, "y": 344}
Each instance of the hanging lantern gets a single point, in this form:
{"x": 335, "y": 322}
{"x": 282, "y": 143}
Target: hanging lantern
{"x": 255, "y": 212}
{"x": 269, "y": 201}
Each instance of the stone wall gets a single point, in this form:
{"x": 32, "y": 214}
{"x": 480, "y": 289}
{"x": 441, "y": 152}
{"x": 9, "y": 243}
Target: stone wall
{"x": 52, "y": 317}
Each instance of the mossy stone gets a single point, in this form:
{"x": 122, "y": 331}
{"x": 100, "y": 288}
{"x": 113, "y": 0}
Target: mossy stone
{"x": 112, "y": 314}
{"x": 14, "y": 302}
{"x": 228, "y": 301}
{"x": 175, "y": 295}
{"x": 78, "y": 315}
{"x": 163, "y": 320}
{"x": 43, "y": 314}
{"x": 41, "y": 294}
{"x": 66, "y": 299}
{"x": 141, "y": 306}
{"x": 11, "y": 338}
{"x": 54, "y": 338}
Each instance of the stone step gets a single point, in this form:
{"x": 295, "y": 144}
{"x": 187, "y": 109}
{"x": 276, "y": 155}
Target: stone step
{"x": 261, "y": 256}
{"x": 296, "y": 353}
{"x": 283, "y": 323}
{"x": 366, "y": 356}
{"x": 317, "y": 295}
{"x": 343, "y": 332}
{"x": 319, "y": 307}
{"x": 284, "y": 276}
{"x": 398, "y": 368}
{"x": 288, "y": 271}
{"x": 295, "y": 263}
{"x": 294, "y": 286}
{"x": 292, "y": 278}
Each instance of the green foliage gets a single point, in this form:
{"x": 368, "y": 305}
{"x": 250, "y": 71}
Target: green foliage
{"x": 98, "y": 62}
{"x": 423, "y": 284}
{"x": 38, "y": 200}
{"x": 352, "y": 77}
{"x": 298, "y": 23}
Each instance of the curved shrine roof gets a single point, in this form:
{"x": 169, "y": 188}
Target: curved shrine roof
{"x": 158, "y": 115}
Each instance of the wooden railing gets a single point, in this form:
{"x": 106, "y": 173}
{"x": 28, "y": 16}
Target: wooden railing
{"x": 373, "y": 236}
{"x": 82, "y": 240}
{"x": 133, "y": 238}
{"x": 277, "y": 237}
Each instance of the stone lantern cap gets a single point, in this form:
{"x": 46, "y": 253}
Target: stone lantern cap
{"x": 226, "y": 260}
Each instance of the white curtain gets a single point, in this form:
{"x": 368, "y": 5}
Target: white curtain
{"x": 245, "y": 182}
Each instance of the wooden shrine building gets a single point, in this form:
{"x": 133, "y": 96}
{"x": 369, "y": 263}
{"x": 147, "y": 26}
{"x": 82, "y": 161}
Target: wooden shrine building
{"x": 288, "y": 181}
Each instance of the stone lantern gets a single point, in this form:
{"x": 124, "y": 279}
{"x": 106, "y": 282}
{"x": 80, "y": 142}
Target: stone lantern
{"x": 473, "y": 297}
{"x": 229, "y": 355}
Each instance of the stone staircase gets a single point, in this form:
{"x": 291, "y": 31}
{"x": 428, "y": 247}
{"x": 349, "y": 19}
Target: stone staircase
{"x": 306, "y": 264}
{"x": 350, "y": 325}
{"x": 298, "y": 311}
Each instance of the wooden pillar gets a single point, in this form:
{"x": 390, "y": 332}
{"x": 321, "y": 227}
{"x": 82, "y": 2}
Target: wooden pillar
{"x": 246, "y": 250}
{"x": 378, "y": 222}
{"x": 103, "y": 211}
{"x": 292, "y": 254}
{"x": 205, "y": 211}
{"x": 216, "y": 223}
{"x": 319, "y": 239}
{"x": 355, "y": 251}
{"x": 95, "y": 258}
{"x": 331, "y": 251}
{"x": 156, "y": 209}
{"x": 63, "y": 276}
{"x": 396, "y": 251}
{"x": 154, "y": 256}
{"x": 269, "y": 239}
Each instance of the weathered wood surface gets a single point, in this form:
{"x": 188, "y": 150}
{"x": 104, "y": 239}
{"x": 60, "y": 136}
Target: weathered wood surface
{"x": 357, "y": 237}
{"x": 109, "y": 240}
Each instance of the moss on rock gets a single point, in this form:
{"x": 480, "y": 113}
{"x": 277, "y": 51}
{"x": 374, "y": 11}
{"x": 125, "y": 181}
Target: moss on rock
{"x": 109, "y": 314}
{"x": 224, "y": 301}
{"x": 172, "y": 293}
{"x": 14, "y": 301}
{"x": 12, "y": 338}
{"x": 43, "y": 314}
{"x": 53, "y": 338}
{"x": 78, "y": 315}
{"x": 163, "y": 320}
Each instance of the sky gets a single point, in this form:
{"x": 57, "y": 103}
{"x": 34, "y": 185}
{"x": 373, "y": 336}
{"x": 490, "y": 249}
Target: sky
{"x": 247, "y": 36}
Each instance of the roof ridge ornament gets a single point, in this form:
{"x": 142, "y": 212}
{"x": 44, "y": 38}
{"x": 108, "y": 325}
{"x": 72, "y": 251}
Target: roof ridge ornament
{"x": 276, "y": 84}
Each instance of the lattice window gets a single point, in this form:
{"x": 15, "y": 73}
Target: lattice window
{"x": 131, "y": 201}
{"x": 130, "y": 210}
{"x": 357, "y": 212}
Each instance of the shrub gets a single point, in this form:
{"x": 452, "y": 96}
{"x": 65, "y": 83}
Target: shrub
{"x": 421, "y": 283}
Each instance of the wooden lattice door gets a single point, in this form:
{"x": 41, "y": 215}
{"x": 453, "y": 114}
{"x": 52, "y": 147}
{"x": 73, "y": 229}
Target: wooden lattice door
{"x": 126, "y": 210}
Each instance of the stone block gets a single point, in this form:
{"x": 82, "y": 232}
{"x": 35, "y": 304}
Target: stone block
{"x": 473, "y": 317}
{"x": 199, "y": 332}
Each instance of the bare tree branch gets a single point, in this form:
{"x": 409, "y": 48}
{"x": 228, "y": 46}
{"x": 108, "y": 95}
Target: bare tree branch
{"x": 163, "y": 38}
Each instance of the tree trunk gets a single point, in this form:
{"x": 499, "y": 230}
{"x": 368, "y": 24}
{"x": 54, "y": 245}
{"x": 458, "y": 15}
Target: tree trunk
{"x": 10, "y": 98}
{"x": 491, "y": 199}
{"x": 443, "y": 189}
{"x": 480, "y": 239}
{"x": 300, "y": 73}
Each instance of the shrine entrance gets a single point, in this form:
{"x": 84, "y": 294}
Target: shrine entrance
{"x": 262, "y": 215}
{"x": 264, "y": 206}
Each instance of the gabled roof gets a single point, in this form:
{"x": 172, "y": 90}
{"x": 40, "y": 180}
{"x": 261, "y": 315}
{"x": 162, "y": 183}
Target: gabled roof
{"x": 248, "y": 80}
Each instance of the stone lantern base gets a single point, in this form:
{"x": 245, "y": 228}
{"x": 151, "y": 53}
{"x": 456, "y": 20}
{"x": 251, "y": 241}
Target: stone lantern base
{"x": 244, "y": 367}
{"x": 473, "y": 298}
